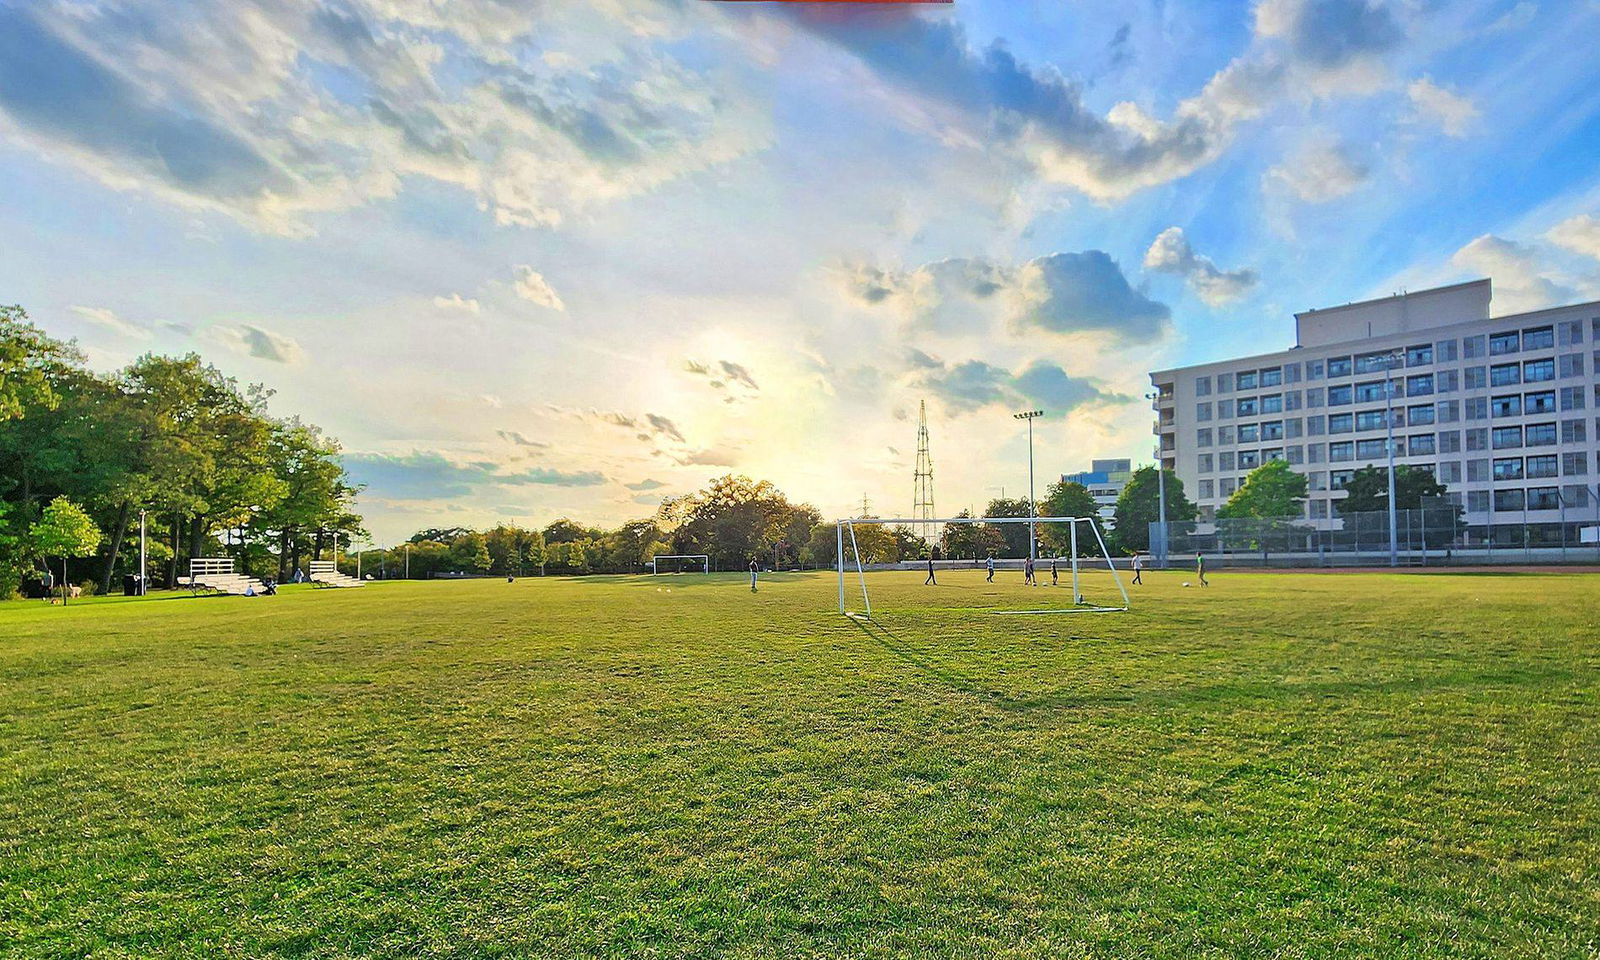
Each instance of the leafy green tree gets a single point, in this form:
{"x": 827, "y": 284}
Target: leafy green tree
{"x": 1367, "y": 491}
{"x": 1138, "y": 506}
{"x": 972, "y": 541}
{"x": 1271, "y": 490}
{"x": 64, "y": 530}
{"x": 1013, "y": 535}
{"x": 1067, "y": 498}
{"x": 31, "y": 364}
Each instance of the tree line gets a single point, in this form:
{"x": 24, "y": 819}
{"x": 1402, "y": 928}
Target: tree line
{"x": 83, "y": 454}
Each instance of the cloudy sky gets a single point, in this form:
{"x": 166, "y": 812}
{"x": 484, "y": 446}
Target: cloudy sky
{"x": 542, "y": 258}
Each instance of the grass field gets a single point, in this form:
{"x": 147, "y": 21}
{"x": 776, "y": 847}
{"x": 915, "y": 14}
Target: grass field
{"x": 1282, "y": 765}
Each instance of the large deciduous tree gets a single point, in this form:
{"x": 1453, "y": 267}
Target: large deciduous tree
{"x": 1138, "y": 506}
{"x": 1270, "y": 490}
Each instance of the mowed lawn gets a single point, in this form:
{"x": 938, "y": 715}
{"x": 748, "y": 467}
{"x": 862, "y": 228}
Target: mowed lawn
{"x": 1282, "y": 765}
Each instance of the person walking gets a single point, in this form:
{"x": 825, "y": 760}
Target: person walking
{"x": 990, "y": 577}
{"x": 1053, "y": 570}
{"x": 754, "y": 569}
{"x": 931, "y": 579}
{"x": 1200, "y": 569}
{"x": 1138, "y": 568}
{"x": 1027, "y": 572}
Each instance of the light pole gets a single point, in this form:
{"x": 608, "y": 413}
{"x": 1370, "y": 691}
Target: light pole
{"x": 1160, "y": 547}
{"x": 1388, "y": 422}
{"x": 1033, "y": 538}
{"x": 408, "y": 561}
{"x": 143, "y": 562}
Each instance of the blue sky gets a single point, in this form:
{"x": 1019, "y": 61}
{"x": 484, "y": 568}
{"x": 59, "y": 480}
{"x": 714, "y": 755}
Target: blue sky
{"x": 543, "y": 258}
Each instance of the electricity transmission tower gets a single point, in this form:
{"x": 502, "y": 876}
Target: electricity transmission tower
{"x": 922, "y": 493}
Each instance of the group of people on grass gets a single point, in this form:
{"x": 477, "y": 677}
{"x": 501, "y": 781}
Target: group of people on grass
{"x": 1030, "y": 574}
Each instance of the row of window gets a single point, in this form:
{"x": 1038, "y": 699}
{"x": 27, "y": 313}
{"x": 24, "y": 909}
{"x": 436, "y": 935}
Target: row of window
{"x": 1567, "y": 333}
{"x": 1415, "y": 445}
{"x": 1511, "y": 500}
{"x": 1537, "y": 434}
{"x": 1375, "y": 391}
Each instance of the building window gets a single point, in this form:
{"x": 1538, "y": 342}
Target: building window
{"x": 1419, "y": 385}
{"x": 1420, "y": 355}
{"x": 1271, "y": 453}
{"x": 1339, "y": 479}
{"x": 1571, "y": 365}
{"x": 1341, "y": 396}
{"x": 1224, "y": 436}
{"x": 1539, "y": 338}
{"x": 1421, "y": 444}
{"x": 1272, "y": 430}
{"x": 1291, "y": 373}
{"x": 1319, "y": 509}
{"x": 1314, "y": 397}
{"x": 1314, "y": 369}
{"x": 1272, "y": 403}
{"x": 1478, "y": 439}
{"x": 1572, "y": 398}
{"x": 1477, "y": 408}
{"x": 1225, "y": 460}
{"x": 1202, "y": 386}
{"x": 1224, "y": 383}
{"x": 1507, "y": 406}
{"x": 1372, "y": 390}
{"x": 1293, "y": 429}
{"x": 1539, "y": 402}
{"x": 1249, "y": 433}
{"x": 1449, "y": 441}
{"x": 1508, "y": 468}
{"x": 1316, "y": 426}
{"x": 1245, "y": 381}
{"x": 1507, "y": 438}
{"x": 1420, "y": 414}
{"x": 1477, "y": 471}
{"x": 1341, "y": 422}
{"x": 1501, "y": 344}
{"x": 1505, "y": 375}
{"x": 1478, "y": 501}
{"x": 1574, "y": 431}
{"x": 1509, "y": 500}
{"x": 1202, "y": 437}
{"x": 1297, "y": 455}
{"x": 1543, "y": 498}
{"x": 1339, "y": 367}
{"x": 1571, "y": 332}
{"x": 1207, "y": 489}
{"x": 1314, "y": 452}
{"x": 1540, "y": 435}
{"x": 1291, "y": 400}
{"x": 1575, "y": 464}
{"x": 1227, "y": 487}
{"x": 1374, "y": 450}
{"x": 1538, "y": 371}
{"x": 1205, "y": 463}
{"x": 1341, "y": 451}
{"x": 1224, "y": 409}
{"x": 1543, "y": 466}
{"x": 1475, "y": 378}
{"x": 1248, "y": 407}
{"x": 1450, "y": 471}
{"x": 1449, "y": 410}
{"x": 1370, "y": 420}
{"x": 1271, "y": 377}
{"x": 1446, "y": 350}
{"x": 1449, "y": 381}
{"x": 1202, "y": 412}
{"x": 1372, "y": 362}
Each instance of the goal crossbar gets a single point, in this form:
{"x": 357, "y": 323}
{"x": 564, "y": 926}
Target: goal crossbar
{"x": 850, "y": 523}
{"x": 705, "y": 560}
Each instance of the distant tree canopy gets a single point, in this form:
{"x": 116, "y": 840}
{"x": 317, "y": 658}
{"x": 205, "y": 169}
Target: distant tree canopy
{"x": 172, "y": 436}
{"x": 1138, "y": 506}
{"x": 1367, "y": 491}
{"x": 1270, "y": 490}
{"x": 1067, "y": 498}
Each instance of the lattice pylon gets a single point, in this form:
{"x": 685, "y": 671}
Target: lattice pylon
{"x": 922, "y": 483}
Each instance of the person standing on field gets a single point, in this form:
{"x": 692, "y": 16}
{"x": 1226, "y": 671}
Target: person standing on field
{"x": 1200, "y": 569}
{"x": 754, "y": 569}
{"x": 1027, "y": 573}
{"x": 1138, "y": 568}
{"x": 990, "y": 577}
{"x": 931, "y": 579}
{"x": 1053, "y": 570}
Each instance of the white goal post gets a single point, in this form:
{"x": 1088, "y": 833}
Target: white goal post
{"x": 847, "y": 527}
{"x": 705, "y": 561}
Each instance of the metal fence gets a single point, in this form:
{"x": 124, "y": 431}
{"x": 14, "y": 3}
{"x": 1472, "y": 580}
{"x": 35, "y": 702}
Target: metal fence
{"x": 1438, "y": 536}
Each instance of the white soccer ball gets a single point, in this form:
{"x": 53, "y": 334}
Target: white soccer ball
{"x": 1187, "y": 583}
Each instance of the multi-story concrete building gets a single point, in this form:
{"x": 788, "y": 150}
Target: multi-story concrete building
{"x": 1502, "y": 409}
{"x": 1105, "y": 480}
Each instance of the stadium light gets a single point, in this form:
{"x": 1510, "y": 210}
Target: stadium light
{"x": 1161, "y": 493}
{"x": 1033, "y": 535}
{"x": 1389, "y": 361}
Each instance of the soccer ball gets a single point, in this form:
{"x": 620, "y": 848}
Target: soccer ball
{"x": 1187, "y": 583}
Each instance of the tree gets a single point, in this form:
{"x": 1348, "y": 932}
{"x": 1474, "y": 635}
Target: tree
{"x": 64, "y": 531}
{"x": 1138, "y": 506}
{"x": 30, "y": 364}
{"x": 1067, "y": 498}
{"x": 972, "y": 541}
{"x": 1367, "y": 491}
{"x": 1014, "y": 536}
{"x": 1271, "y": 490}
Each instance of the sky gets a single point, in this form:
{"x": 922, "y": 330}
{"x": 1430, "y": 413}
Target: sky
{"x": 531, "y": 259}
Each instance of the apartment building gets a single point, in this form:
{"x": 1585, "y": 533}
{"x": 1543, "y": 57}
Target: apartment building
{"x": 1105, "y": 480}
{"x": 1502, "y": 409}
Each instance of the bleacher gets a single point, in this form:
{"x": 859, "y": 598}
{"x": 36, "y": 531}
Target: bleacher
{"x": 216, "y": 573}
{"x": 324, "y": 573}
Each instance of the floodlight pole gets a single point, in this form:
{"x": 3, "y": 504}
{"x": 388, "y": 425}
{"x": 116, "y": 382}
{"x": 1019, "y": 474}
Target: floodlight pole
{"x": 143, "y": 563}
{"x": 1160, "y": 548}
{"x": 1388, "y": 421}
{"x": 1033, "y": 537}
{"x": 408, "y": 560}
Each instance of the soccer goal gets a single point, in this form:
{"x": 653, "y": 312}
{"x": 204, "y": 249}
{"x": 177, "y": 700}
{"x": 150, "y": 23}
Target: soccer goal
{"x": 679, "y": 562}
{"x": 1086, "y": 553}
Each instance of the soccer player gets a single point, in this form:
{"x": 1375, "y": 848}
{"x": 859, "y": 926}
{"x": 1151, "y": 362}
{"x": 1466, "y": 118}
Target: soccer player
{"x": 1200, "y": 569}
{"x": 1053, "y": 570}
{"x": 1027, "y": 573}
{"x": 930, "y": 573}
{"x": 754, "y": 569}
{"x": 990, "y": 577}
{"x": 1138, "y": 568}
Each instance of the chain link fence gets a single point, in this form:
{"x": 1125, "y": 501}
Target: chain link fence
{"x": 1439, "y": 535}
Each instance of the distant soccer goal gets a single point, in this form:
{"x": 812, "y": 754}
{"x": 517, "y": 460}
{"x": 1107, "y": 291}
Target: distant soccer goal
{"x": 1086, "y": 553}
{"x": 680, "y": 563}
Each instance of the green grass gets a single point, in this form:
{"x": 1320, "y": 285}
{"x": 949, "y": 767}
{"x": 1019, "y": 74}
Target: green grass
{"x": 1283, "y": 765}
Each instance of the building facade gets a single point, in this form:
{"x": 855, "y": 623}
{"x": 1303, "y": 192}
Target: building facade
{"x": 1105, "y": 480}
{"x": 1504, "y": 410}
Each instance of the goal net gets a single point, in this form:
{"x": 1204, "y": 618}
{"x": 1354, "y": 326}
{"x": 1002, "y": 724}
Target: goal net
{"x": 680, "y": 563}
{"x": 1071, "y": 566}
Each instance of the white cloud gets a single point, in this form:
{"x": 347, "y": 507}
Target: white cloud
{"x": 1454, "y": 114}
{"x": 109, "y": 321}
{"x": 1170, "y": 252}
{"x": 1580, "y": 234}
{"x": 1318, "y": 173}
{"x": 253, "y": 341}
{"x": 533, "y": 287}
{"x": 1521, "y": 282}
{"x": 457, "y": 302}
